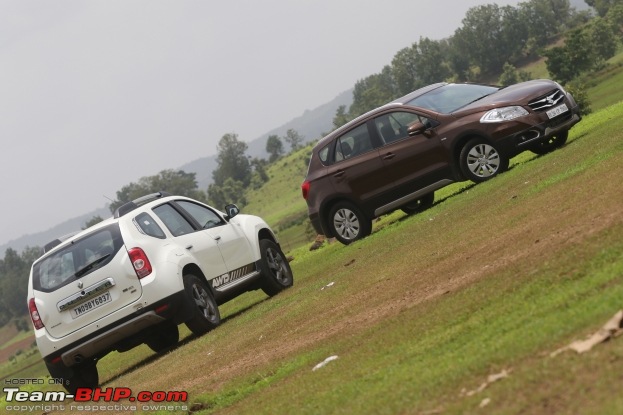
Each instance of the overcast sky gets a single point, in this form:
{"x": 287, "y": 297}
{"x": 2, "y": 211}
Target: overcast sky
{"x": 96, "y": 94}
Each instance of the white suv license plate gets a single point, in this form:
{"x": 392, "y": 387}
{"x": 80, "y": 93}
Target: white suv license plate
{"x": 90, "y": 305}
{"x": 554, "y": 112}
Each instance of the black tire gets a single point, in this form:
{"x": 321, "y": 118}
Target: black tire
{"x": 481, "y": 161}
{"x": 165, "y": 335}
{"x": 275, "y": 269}
{"x": 83, "y": 375}
{"x": 348, "y": 223}
{"x": 419, "y": 205}
{"x": 205, "y": 315}
{"x": 551, "y": 144}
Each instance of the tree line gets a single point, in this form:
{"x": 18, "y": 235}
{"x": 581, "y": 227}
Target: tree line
{"x": 494, "y": 40}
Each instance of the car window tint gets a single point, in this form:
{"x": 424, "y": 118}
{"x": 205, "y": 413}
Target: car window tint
{"x": 173, "y": 220}
{"x": 86, "y": 254}
{"x": 206, "y": 217}
{"x": 148, "y": 226}
{"x": 393, "y": 126}
{"x": 353, "y": 143}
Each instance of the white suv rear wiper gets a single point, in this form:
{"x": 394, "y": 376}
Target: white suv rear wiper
{"x": 90, "y": 266}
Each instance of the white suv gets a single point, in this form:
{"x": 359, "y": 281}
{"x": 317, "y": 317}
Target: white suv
{"x": 161, "y": 260}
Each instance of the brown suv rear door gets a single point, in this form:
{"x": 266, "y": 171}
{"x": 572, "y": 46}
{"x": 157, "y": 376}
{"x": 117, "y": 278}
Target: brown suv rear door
{"x": 357, "y": 170}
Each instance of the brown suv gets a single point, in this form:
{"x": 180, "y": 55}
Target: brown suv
{"x": 397, "y": 155}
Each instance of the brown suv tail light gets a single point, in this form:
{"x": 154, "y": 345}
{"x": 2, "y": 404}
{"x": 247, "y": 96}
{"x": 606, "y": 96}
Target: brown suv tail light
{"x": 34, "y": 314}
{"x": 140, "y": 262}
{"x": 305, "y": 189}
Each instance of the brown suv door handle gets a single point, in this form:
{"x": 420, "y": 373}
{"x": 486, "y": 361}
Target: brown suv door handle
{"x": 389, "y": 156}
{"x": 339, "y": 173}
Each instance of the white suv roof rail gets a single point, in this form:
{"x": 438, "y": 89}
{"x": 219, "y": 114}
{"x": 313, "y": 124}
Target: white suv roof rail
{"x": 130, "y": 206}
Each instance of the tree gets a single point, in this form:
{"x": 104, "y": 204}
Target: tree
{"x": 232, "y": 161}
{"x": 231, "y": 191}
{"x": 373, "y": 91}
{"x": 14, "y": 272}
{"x": 431, "y": 65}
{"x": 585, "y": 49}
{"x": 510, "y": 75}
{"x": 341, "y": 117}
{"x": 602, "y": 6}
{"x": 559, "y": 65}
{"x": 259, "y": 176}
{"x": 615, "y": 17}
{"x": 274, "y": 147}
{"x": 176, "y": 182}
{"x": 603, "y": 36}
{"x": 404, "y": 69}
{"x": 491, "y": 36}
{"x": 294, "y": 139}
{"x": 93, "y": 221}
{"x": 544, "y": 19}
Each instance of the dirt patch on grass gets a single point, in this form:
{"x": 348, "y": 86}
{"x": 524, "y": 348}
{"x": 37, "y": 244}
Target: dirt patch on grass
{"x": 10, "y": 350}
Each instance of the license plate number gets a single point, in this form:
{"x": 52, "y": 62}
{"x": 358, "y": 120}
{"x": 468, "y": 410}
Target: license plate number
{"x": 554, "y": 112}
{"x": 91, "y": 305}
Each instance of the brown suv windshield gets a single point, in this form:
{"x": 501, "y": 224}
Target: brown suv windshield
{"x": 451, "y": 97}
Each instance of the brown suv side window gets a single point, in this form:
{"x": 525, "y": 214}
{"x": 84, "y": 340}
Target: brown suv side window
{"x": 356, "y": 141}
{"x": 393, "y": 126}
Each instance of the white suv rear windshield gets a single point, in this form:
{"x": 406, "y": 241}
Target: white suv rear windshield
{"x": 76, "y": 259}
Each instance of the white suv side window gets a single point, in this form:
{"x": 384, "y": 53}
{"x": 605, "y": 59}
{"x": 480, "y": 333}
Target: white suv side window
{"x": 173, "y": 220}
{"x": 206, "y": 218}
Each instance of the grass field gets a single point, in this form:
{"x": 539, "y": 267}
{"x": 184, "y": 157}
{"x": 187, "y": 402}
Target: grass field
{"x": 492, "y": 279}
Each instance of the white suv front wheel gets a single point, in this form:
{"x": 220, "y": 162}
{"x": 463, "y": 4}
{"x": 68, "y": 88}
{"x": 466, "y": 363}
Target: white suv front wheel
{"x": 275, "y": 269}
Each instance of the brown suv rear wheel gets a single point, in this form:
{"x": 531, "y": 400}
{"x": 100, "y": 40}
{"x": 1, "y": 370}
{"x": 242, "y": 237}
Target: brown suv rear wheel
{"x": 348, "y": 223}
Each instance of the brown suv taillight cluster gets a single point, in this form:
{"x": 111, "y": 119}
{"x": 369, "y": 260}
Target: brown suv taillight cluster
{"x": 140, "y": 262}
{"x": 305, "y": 189}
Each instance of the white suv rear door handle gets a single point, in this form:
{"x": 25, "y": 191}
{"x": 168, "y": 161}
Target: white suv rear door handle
{"x": 189, "y": 247}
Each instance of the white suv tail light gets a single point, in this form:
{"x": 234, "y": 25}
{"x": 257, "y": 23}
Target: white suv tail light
{"x": 140, "y": 262}
{"x": 34, "y": 314}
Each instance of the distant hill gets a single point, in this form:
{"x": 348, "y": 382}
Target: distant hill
{"x": 313, "y": 124}
{"x": 42, "y": 238}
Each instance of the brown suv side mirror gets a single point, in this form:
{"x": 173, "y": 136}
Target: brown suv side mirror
{"x": 416, "y": 128}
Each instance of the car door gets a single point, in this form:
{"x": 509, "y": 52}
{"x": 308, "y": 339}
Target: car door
{"x": 198, "y": 244}
{"x": 232, "y": 243}
{"x": 356, "y": 171}
{"x": 410, "y": 163}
